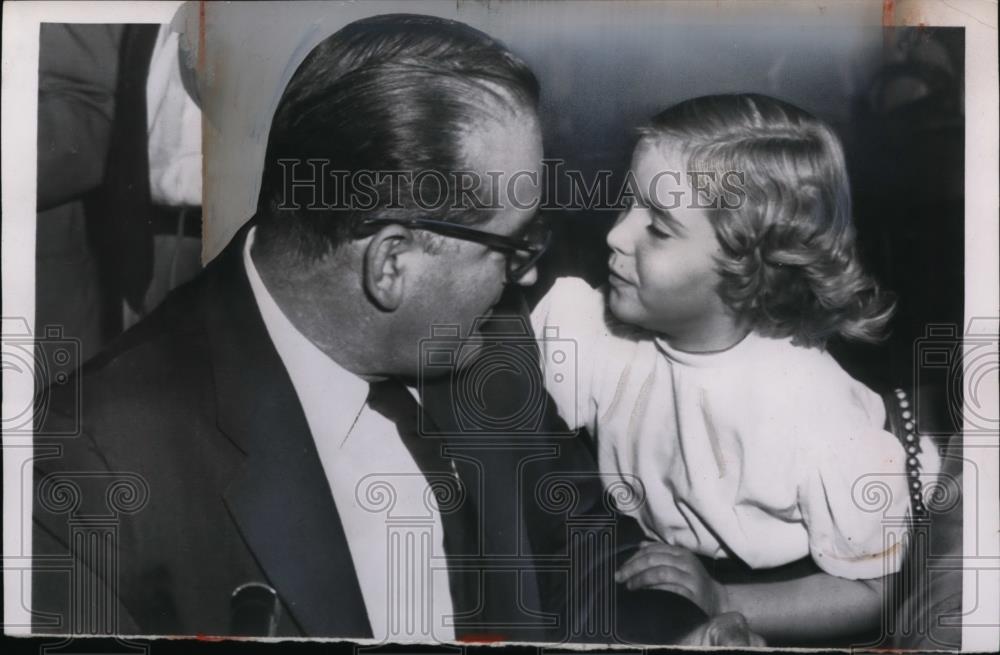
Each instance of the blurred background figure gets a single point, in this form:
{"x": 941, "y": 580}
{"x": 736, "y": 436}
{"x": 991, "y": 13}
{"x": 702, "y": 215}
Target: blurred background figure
{"x": 119, "y": 177}
{"x": 77, "y": 77}
{"x": 907, "y": 163}
{"x": 150, "y": 203}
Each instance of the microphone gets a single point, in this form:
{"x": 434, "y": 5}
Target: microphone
{"x": 254, "y": 610}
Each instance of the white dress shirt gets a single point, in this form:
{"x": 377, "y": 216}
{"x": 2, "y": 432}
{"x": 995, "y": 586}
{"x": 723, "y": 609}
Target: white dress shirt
{"x": 767, "y": 451}
{"x": 174, "y": 123}
{"x": 391, "y": 521}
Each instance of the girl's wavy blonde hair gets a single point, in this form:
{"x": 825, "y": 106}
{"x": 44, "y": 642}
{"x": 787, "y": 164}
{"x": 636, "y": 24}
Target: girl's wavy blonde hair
{"x": 790, "y": 265}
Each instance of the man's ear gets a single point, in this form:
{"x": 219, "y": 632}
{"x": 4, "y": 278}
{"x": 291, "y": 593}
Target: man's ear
{"x": 386, "y": 264}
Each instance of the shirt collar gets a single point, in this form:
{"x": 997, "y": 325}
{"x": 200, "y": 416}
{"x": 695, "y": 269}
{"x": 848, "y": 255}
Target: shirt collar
{"x": 742, "y": 351}
{"x": 331, "y": 396}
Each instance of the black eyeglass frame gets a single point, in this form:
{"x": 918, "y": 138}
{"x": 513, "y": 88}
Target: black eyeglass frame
{"x": 499, "y": 242}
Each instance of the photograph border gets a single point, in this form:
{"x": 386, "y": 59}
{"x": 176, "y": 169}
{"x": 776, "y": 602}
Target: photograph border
{"x": 981, "y": 538}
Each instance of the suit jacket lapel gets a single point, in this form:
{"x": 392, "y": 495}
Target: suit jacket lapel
{"x": 281, "y": 501}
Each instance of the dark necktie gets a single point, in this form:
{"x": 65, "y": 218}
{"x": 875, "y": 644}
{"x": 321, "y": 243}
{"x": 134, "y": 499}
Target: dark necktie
{"x": 482, "y": 533}
{"x": 460, "y": 523}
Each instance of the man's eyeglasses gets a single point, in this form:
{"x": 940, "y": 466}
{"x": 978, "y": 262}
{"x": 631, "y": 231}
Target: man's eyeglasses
{"x": 522, "y": 253}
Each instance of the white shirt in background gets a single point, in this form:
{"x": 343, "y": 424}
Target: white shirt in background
{"x": 174, "y": 123}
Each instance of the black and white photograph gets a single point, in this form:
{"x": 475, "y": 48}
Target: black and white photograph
{"x": 537, "y": 324}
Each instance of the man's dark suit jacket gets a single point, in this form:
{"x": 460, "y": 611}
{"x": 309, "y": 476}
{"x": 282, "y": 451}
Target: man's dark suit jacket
{"x": 192, "y": 471}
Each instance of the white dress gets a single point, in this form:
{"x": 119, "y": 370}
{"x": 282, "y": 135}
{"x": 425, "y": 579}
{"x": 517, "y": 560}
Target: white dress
{"x": 767, "y": 452}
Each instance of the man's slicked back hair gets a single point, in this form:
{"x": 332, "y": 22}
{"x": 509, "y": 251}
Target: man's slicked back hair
{"x": 395, "y": 92}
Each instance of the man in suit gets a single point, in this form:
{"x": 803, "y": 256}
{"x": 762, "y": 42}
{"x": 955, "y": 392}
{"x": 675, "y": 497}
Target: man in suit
{"x": 150, "y": 201}
{"x": 269, "y": 452}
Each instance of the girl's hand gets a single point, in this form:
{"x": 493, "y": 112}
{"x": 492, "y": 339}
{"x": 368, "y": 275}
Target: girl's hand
{"x": 676, "y": 569}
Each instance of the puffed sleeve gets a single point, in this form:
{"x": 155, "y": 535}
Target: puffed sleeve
{"x": 854, "y": 500}
{"x": 568, "y": 324}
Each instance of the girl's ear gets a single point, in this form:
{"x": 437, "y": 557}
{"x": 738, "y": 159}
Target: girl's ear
{"x": 385, "y": 266}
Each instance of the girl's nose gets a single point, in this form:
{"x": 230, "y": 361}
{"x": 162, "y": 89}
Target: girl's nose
{"x": 618, "y": 238}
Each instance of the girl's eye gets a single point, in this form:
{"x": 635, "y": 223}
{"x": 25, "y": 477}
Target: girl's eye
{"x": 657, "y": 232}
